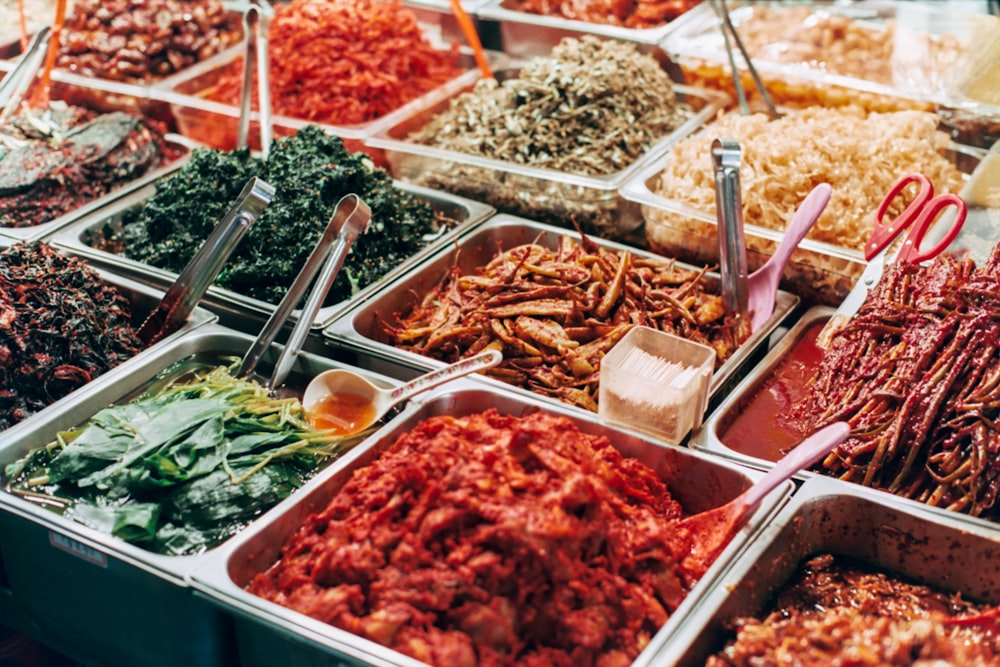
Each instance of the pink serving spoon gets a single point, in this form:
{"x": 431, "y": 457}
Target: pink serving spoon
{"x": 712, "y": 530}
{"x": 763, "y": 283}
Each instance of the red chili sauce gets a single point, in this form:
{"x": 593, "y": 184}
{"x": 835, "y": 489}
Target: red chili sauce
{"x": 760, "y": 425}
{"x": 342, "y": 413}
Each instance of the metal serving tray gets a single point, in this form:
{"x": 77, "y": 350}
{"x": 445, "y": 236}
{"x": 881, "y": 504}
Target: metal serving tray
{"x": 216, "y": 123}
{"x": 917, "y": 79}
{"x": 46, "y": 229}
{"x": 237, "y": 310}
{"x": 817, "y": 271}
{"x": 94, "y": 596}
{"x": 142, "y": 299}
{"x": 527, "y": 34}
{"x": 269, "y": 634}
{"x": 708, "y": 437}
{"x": 356, "y": 328}
{"x": 541, "y": 194}
{"x": 828, "y": 516}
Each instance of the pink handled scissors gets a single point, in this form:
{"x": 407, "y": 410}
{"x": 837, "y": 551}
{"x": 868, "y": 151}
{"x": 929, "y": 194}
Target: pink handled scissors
{"x": 918, "y": 216}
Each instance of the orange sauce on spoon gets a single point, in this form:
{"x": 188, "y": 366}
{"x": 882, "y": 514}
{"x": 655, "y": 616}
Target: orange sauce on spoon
{"x": 342, "y": 413}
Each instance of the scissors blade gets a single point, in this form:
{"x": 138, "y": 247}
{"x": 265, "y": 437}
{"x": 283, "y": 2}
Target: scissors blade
{"x": 853, "y": 301}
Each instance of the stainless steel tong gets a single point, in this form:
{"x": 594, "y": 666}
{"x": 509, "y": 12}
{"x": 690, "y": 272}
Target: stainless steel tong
{"x": 727, "y": 27}
{"x": 18, "y": 80}
{"x": 350, "y": 218}
{"x": 726, "y": 158}
{"x": 256, "y": 20}
{"x": 192, "y": 283}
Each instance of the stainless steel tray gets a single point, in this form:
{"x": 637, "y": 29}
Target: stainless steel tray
{"x": 594, "y": 202}
{"x": 709, "y": 439}
{"x": 237, "y": 310}
{"x": 97, "y": 597}
{"x": 142, "y": 299}
{"x": 527, "y": 34}
{"x": 828, "y": 516}
{"x": 46, "y": 229}
{"x": 356, "y": 327}
{"x": 270, "y": 634}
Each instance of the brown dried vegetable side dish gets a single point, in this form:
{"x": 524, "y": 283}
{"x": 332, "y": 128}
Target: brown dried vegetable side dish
{"x": 554, "y": 313}
{"x": 836, "y": 611}
{"x": 135, "y": 41}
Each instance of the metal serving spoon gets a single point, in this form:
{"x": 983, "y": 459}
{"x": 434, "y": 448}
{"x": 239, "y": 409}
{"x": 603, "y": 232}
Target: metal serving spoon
{"x": 348, "y": 402}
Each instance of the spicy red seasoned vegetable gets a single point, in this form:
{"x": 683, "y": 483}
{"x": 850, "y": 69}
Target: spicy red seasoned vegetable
{"x": 344, "y": 62}
{"x": 61, "y": 325}
{"x": 836, "y": 611}
{"x": 626, "y": 13}
{"x": 493, "y": 540}
{"x": 916, "y": 374}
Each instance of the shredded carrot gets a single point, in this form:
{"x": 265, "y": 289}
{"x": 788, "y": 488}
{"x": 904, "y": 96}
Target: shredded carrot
{"x": 344, "y": 62}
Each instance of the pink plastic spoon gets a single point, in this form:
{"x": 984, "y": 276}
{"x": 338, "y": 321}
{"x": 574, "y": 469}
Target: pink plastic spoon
{"x": 712, "y": 530}
{"x": 763, "y": 283}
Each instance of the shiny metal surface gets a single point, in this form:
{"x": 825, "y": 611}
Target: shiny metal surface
{"x": 270, "y": 634}
{"x": 357, "y": 327}
{"x": 97, "y": 597}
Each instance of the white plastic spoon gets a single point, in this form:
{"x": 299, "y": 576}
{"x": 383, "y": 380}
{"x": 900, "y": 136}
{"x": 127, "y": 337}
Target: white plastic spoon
{"x": 348, "y": 403}
{"x": 763, "y": 283}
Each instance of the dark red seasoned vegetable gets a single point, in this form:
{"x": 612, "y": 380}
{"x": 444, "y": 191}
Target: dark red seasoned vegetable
{"x": 916, "y": 373}
{"x": 61, "y": 325}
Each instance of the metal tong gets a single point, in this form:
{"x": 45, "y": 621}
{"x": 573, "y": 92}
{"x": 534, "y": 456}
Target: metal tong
{"x": 350, "y": 219}
{"x": 726, "y": 158}
{"x": 255, "y": 56}
{"x": 177, "y": 304}
{"x": 18, "y": 80}
{"x": 727, "y": 27}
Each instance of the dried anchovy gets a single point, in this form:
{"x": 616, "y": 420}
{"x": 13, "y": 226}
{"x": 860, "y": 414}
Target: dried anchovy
{"x": 592, "y": 107}
{"x": 61, "y": 325}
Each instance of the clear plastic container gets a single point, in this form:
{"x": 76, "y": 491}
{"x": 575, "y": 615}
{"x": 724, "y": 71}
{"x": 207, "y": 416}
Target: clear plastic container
{"x": 549, "y": 196}
{"x": 879, "y": 54}
{"x": 657, "y": 383}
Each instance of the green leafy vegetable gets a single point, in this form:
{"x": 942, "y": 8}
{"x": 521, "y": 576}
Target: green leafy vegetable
{"x": 182, "y": 468}
{"x": 311, "y": 171}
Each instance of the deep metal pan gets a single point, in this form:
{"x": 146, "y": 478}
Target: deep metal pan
{"x": 270, "y": 634}
{"x": 829, "y": 516}
{"x": 241, "y": 312}
{"x": 93, "y": 596}
{"x": 357, "y": 327}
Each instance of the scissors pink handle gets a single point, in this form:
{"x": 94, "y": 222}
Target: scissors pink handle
{"x": 919, "y": 216}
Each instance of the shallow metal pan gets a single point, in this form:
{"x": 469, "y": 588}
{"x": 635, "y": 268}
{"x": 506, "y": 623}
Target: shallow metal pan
{"x": 237, "y": 310}
{"x": 357, "y": 327}
{"x": 829, "y": 516}
{"x": 270, "y": 634}
{"x": 98, "y": 598}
